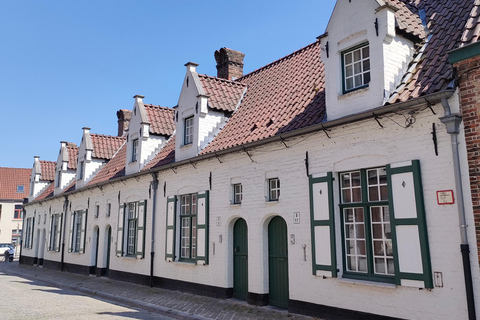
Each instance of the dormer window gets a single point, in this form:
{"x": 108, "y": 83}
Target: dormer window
{"x": 20, "y": 188}
{"x": 188, "y": 134}
{"x": 356, "y": 68}
{"x": 80, "y": 173}
{"x": 134, "y": 150}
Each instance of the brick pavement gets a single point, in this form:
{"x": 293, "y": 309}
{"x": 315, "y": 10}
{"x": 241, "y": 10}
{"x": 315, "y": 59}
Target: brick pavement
{"x": 175, "y": 304}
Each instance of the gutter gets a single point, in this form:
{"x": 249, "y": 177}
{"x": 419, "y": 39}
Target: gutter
{"x": 154, "y": 205}
{"x": 372, "y": 113}
{"x": 452, "y": 123}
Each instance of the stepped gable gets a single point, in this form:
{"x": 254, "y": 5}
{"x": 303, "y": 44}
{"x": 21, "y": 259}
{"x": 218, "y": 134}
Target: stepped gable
{"x": 407, "y": 18}
{"x": 104, "y": 147}
{"x": 10, "y": 178}
{"x": 471, "y": 33}
{"x": 70, "y": 187}
{"x": 113, "y": 169}
{"x": 431, "y": 72}
{"x": 161, "y": 119}
{"x": 72, "y": 155}
{"x": 283, "y": 96}
{"x": 48, "y": 170}
{"x": 165, "y": 156}
{"x": 47, "y": 193}
{"x": 224, "y": 95}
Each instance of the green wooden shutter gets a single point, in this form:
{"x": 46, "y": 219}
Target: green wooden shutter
{"x": 202, "y": 226}
{"x": 324, "y": 261}
{"x": 50, "y": 235}
{"x": 121, "y": 220}
{"x": 72, "y": 221}
{"x": 171, "y": 217}
{"x": 83, "y": 231}
{"x": 141, "y": 219}
{"x": 59, "y": 233}
{"x": 409, "y": 228}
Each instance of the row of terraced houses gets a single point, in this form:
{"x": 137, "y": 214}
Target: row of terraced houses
{"x": 339, "y": 181}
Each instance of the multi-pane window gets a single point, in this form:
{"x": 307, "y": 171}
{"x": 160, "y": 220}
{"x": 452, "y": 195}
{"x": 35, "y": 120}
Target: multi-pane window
{"x": 188, "y": 136}
{"x": 54, "y": 231}
{"x": 134, "y": 150}
{"x": 188, "y": 226}
{"x": 131, "y": 227}
{"x": 77, "y": 231}
{"x": 367, "y": 234}
{"x": 237, "y": 193}
{"x": 17, "y": 214}
{"x": 109, "y": 209}
{"x": 273, "y": 189}
{"x": 80, "y": 173}
{"x": 28, "y": 235}
{"x": 356, "y": 68}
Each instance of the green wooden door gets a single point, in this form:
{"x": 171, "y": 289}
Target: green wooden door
{"x": 240, "y": 260}
{"x": 278, "y": 263}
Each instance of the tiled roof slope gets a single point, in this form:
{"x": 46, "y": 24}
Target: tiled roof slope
{"x": 70, "y": 187}
{"x": 165, "y": 156}
{"x": 224, "y": 95}
{"x": 432, "y": 72}
{"x": 10, "y": 178}
{"x": 472, "y": 28}
{"x": 47, "y": 193}
{"x": 104, "y": 147}
{"x": 408, "y": 19}
{"x": 48, "y": 170}
{"x": 161, "y": 119}
{"x": 113, "y": 169}
{"x": 72, "y": 156}
{"x": 283, "y": 96}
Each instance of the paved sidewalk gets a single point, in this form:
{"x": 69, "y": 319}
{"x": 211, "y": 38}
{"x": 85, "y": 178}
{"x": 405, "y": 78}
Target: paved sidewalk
{"x": 175, "y": 304}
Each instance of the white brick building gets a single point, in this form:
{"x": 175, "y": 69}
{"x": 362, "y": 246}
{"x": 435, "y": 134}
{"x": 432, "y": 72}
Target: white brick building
{"x": 324, "y": 182}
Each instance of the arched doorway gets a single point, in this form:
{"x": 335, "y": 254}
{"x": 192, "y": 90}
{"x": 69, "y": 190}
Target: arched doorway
{"x": 240, "y": 260}
{"x": 278, "y": 263}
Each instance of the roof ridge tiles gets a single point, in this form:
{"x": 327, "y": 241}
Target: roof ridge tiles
{"x": 233, "y": 82}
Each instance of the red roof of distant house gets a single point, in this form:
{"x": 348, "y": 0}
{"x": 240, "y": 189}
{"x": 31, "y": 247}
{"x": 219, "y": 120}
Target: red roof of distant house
{"x": 14, "y": 183}
{"x": 48, "y": 170}
{"x": 161, "y": 119}
{"x": 104, "y": 147}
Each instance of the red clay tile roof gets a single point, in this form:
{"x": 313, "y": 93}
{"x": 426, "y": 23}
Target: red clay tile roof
{"x": 113, "y": 169}
{"x": 10, "y": 179}
{"x": 432, "y": 72}
{"x": 283, "y": 96}
{"x": 165, "y": 156}
{"x": 408, "y": 19}
{"x": 47, "y": 193}
{"x": 472, "y": 27}
{"x": 48, "y": 170}
{"x": 161, "y": 119}
{"x": 224, "y": 95}
{"x": 70, "y": 187}
{"x": 104, "y": 147}
{"x": 72, "y": 156}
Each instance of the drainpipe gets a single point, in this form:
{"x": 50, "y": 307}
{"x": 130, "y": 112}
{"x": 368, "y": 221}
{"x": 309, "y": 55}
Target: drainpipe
{"x": 154, "y": 205}
{"x": 65, "y": 207}
{"x": 452, "y": 123}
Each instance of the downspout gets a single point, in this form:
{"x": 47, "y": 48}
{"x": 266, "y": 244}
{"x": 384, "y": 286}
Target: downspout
{"x": 154, "y": 205}
{"x": 452, "y": 123}
{"x": 65, "y": 208}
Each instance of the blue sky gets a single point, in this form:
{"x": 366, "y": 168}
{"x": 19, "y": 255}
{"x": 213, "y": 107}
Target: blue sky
{"x": 65, "y": 65}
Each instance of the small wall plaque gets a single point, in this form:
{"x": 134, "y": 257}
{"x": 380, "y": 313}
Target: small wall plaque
{"x": 445, "y": 197}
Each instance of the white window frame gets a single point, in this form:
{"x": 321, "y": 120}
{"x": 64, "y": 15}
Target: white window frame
{"x": 109, "y": 209}
{"x": 77, "y": 231}
{"x": 188, "y": 226}
{"x": 188, "y": 132}
{"x": 132, "y": 222}
{"x": 356, "y": 68}
{"x": 273, "y": 189}
{"x": 237, "y": 193}
{"x": 80, "y": 173}
{"x": 134, "y": 150}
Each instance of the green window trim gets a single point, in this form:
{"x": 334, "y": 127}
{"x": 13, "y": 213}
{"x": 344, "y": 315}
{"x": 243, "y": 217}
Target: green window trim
{"x": 365, "y": 84}
{"x": 139, "y": 232}
{"x": 203, "y": 227}
{"x": 325, "y": 190}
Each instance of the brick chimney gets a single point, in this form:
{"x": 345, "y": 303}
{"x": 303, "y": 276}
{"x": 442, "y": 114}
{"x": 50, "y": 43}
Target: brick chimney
{"x": 229, "y": 63}
{"x": 124, "y": 117}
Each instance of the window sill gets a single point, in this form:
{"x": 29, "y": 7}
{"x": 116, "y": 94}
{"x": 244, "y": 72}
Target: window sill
{"x": 353, "y": 92}
{"x": 273, "y": 201}
{"x": 368, "y": 283}
{"x": 235, "y": 204}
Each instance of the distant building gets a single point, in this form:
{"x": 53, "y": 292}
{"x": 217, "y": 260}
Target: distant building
{"x": 14, "y": 187}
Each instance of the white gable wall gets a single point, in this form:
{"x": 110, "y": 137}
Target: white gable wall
{"x": 352, "y": 24}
